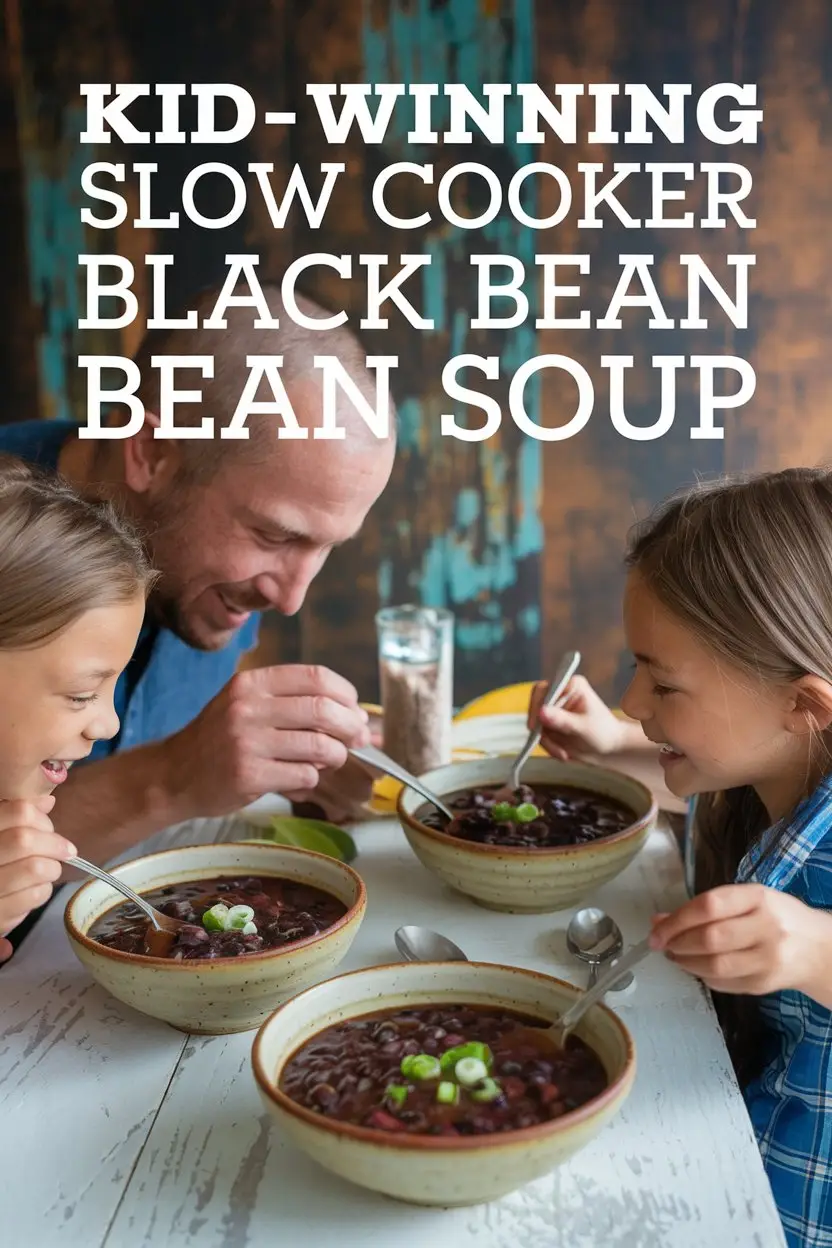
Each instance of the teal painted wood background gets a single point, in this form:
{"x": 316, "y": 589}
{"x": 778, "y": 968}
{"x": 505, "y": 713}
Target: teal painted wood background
{"x": 523, "y": 540}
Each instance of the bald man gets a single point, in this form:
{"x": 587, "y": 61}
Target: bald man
{"x": 234, "y": 528}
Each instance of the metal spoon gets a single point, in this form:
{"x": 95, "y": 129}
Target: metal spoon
{"x": 554, "y": 1037}
{"x": 375, "y": 758}
{"x": 593, "y": 937}
{"x": 420, "y": 944}
{"x": 159, "y": 938}
{"x": 567, "y": 669}
{"x": 568, "y": 1021}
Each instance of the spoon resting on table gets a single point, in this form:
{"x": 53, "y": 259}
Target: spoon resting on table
{"x": 593, "y": 937}
{"x": 161, "y": 934}
{"x": 420, "y": 944}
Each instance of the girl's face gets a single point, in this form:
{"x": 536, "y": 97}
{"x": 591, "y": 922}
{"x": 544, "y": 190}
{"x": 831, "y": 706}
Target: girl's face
{"x": 719, "y": 726}
{"x": 56, "y": 700}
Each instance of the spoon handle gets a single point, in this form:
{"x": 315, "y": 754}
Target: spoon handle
{"x": 91, "y": 869}
{"x": 375, "y": 758}
{"x": 576, "y": 1012}
{"x": 566, "y": 671}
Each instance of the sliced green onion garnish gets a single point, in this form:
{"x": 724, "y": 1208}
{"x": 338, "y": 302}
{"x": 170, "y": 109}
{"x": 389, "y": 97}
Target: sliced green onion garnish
{"x": 451, "y": 1056}
{"x": 237, "y": 917}
{"x": 474, "y": 1048}
{"x": 396, "y": 1092}
{"x": 488, "y": 1090}
{"x": 421, "y": 1066}
{"x": 214, "y": 920}
{"x": 447, "y": 1093}
{"x": 470, "y": 1070}
{"x": 502, "y": 810}
{"x": 525, "y": 812}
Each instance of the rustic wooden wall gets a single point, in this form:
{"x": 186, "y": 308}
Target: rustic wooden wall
{"x": 523, "y": 540}
{"x": 18, "y": 325}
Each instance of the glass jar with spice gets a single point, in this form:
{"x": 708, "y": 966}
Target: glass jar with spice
{"x": 415, "y": 654}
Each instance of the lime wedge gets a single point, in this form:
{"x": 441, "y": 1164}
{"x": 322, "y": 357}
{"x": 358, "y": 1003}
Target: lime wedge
{"x": 315, "y": 834}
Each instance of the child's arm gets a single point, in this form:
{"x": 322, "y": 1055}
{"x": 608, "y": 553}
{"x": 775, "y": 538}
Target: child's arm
{"x": 584, "y": 724}
{"x": 817, "y": 982}
{"x": 751, "y": 939}
{"x": 31, "y": 854}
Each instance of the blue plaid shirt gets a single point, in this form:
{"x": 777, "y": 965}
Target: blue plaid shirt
{"x": 791, "y": 1102}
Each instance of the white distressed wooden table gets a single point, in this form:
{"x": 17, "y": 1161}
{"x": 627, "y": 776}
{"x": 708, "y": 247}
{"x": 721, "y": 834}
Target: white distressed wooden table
{"x": 118, "y": 1131}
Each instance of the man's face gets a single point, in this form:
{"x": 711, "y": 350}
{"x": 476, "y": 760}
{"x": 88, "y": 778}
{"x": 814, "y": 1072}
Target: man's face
{"x": 255, "y": 534}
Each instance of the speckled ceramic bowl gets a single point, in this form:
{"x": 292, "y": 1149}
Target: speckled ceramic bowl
{"x": 432, "y": 1170}
{"x": 226, "y": 994}
{"x": 527, "y": 881}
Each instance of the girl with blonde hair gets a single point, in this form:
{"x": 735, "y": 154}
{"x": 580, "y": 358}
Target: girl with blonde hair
{"x": 73, "y": 584}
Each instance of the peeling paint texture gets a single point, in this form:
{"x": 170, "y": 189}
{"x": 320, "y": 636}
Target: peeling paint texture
{"x": 523, "y": 540}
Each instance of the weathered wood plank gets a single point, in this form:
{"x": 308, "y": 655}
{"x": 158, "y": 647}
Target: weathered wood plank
{"x": 459, "y": 524}
{"x": 678, "y": 1168}
{"x": 81, "y": 1078}
{"x": 524, "y": 543}
{"x": 18, "y": 321}
{"x": 598, "y": 483}
{"x": 788, "y": 421}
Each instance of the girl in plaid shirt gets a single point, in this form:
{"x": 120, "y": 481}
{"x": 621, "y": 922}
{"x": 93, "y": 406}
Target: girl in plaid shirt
{"x": 728, "y": 613}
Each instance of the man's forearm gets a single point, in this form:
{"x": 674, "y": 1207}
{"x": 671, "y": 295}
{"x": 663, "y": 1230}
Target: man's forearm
{"x": 107, "y": 807}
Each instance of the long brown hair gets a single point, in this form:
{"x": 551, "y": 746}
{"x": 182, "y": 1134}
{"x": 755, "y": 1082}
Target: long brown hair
{"x": 60, "y": 555}
{"x": 745, "y": 563}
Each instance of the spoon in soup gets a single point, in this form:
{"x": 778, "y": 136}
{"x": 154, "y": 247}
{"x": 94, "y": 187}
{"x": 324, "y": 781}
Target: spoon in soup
{"x": 160, "y": 936}
{"x": 376, "y": 758}
{"x": 569, "y": 665}
{"x": 555, "y": 1036}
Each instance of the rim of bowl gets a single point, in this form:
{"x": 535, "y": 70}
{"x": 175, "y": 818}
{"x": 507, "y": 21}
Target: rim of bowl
{"x": 403, "y": 1140}
{"x": 527, "y": 851}
{"x": 193, "y": 964}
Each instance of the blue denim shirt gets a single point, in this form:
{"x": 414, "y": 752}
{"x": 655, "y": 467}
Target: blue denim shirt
{"x": 167, "y": 682}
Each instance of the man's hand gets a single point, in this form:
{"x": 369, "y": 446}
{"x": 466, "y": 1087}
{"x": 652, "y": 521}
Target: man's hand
{"x": 340, "y": 795}
{"x": 270, "y": 730}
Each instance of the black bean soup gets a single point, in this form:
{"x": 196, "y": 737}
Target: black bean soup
{"x": 282, "y": 911}
{"x": 540, "y": 817}
{"x": 448, "y": 1071}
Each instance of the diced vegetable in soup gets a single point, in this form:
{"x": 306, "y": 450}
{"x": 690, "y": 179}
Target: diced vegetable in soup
{"x": 228, "y": 917}
{"x": 539, "y": 817}
{"x": 449, "y": 1071}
